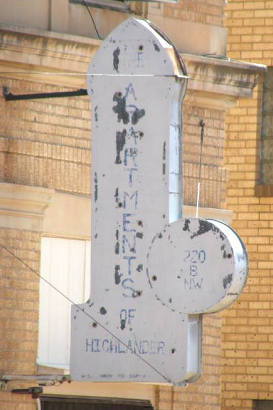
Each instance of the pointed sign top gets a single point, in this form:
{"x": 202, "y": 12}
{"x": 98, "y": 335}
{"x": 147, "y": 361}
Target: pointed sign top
{"x": 136, "y": 48}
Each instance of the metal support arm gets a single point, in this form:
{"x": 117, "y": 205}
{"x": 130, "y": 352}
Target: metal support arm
{"x": 15, "y": 97}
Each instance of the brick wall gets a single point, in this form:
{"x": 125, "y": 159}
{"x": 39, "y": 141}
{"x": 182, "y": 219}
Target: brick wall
{"x": 45, "y": 142}
{"x": 19, "y": 304}
{"x": 199, "y": 11}
{"x": 213, "y": 175}
{"x": 248, "y": 325}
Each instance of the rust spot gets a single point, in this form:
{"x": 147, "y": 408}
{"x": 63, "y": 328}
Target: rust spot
{"x": 137, "y": 293}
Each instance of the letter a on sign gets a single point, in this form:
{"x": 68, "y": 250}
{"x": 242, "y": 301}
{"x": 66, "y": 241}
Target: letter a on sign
{"x": 150, "y": 268}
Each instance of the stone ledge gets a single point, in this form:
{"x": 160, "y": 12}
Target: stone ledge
{"x": 45, "y": 52}
{"x": 23, "y": 207}
{"x": 223, "y": 215}
{"x": 212, "y": 77}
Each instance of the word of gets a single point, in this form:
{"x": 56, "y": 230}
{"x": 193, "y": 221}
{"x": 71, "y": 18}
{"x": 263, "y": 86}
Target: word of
{"x": 126, "y": 316}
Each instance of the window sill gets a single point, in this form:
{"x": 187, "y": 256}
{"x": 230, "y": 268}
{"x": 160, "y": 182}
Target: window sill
{"x": 105, "y": 4}
{"x": 43, "y": 369}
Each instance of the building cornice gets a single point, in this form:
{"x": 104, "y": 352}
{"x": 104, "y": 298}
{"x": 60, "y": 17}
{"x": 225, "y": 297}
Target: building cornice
{"x": 62, "y": 59}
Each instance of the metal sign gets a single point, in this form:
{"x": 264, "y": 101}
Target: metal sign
{"x": 150, "y": 268}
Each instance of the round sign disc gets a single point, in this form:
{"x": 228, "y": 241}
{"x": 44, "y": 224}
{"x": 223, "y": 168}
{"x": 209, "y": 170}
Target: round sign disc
{"x": 196, "y": 266}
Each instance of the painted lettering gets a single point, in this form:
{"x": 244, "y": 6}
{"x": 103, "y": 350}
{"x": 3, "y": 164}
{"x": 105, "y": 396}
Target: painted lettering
{"x": 127, "y": 286}
{"x": 129, "y": 244}
{"x": 112, "y": 346}
{"x": 130, "y": 200}
{"x": 129, "y": 267}
{"x": 195, "y": 256}
{"x": 193, "y": 283}
{"x": 126, "y": 221}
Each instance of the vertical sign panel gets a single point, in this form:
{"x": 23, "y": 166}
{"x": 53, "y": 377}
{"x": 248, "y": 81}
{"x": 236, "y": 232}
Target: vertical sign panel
{"x": 136, "y": 89}
{"x": 150, "y": 267}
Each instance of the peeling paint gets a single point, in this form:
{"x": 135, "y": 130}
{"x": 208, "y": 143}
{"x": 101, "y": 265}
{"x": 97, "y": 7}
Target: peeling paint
{"x": 164, "y": 158}
{"x": 120, "y": 108}
{"x": 186, "y": 226}
{"x": 120, "y": 142}
{"x": 116, "y": 196}
{"x": 227, "y": 280}
{"x": 116, "y": 54}
{"x": 122, "y": 323}
{"x": 156, "y": 47}
{"x": 139, "y": 268}
{"x": 103, "y": 311}
{"x": 117, "y": 245}
{"x": 123, "y": 109}
{"x": 204, "y": 227}
{"x": 96, "y": 187}
{"x": 137, "y": 114}
{"x": 118, "y": 275}
{"x": 96, "y": 113}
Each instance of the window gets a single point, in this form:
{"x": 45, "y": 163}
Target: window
{"x": 65, "y": 263}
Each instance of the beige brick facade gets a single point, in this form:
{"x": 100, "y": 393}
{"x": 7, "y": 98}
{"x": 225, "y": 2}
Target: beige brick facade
{"x": 208, "y": 12}
{"x": 247, "y": 325}
{"x": 45, "y": 165}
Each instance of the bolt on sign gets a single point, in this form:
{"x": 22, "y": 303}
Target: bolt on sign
{"x": 154, "y": 273}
